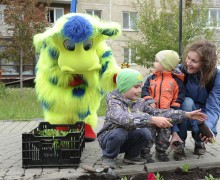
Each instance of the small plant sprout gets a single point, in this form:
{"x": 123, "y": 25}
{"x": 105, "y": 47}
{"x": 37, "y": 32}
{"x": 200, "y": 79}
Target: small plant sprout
{"x": 185, "y": 168}
{"x": 159, "y": 177}
{"x": 210, "y": 177}
{"x": 124, "y": 178}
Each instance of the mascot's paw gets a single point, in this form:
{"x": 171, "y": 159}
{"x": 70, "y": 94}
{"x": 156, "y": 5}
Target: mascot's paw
{"x": 89, "y": 133}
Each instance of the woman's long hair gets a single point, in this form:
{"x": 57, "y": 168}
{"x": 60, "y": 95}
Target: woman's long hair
{"x": 208, "y": 57}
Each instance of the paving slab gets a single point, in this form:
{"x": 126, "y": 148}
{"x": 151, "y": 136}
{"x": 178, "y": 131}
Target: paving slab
{"x": 11, "y": 157}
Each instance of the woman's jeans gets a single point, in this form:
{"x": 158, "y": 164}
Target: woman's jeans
{"x": 191, "y": 125}
{"x": 120, "y": 140}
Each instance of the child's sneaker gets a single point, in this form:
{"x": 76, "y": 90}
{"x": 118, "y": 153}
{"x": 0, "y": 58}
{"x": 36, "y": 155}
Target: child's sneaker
{"x": 177, "y": 146}
{"x": 149, "y": 160}
{"x": 162, "y": 156}
{"x": 108, "y": 162}
{"x": 179, "y": 155}
{"x": 134, "y": 160}
{"x": 200, "y": 149}
{"x": 147, "y": 157}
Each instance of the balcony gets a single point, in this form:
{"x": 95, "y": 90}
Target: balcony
{"x": 9, "y": 74}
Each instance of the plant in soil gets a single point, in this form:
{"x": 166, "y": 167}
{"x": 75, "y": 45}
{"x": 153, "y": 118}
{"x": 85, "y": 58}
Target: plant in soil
{"x": 185, "y": 168}
{"x": 58, "y": 145}
{"x": 54, "y": 132}
{"x": 192, "y": 174}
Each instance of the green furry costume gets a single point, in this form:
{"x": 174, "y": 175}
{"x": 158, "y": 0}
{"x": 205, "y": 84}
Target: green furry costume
{"x": 75, "y": 68}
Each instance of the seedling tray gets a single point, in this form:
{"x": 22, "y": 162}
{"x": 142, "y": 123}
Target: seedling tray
{"x": 53, "y": 151}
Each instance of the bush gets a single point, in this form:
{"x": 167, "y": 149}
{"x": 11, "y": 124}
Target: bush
{"x": 2, "y": 90}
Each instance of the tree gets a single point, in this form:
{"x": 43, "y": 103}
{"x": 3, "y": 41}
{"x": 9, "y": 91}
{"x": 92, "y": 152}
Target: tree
{"x": 158, "y": 28}
{"x": 25, "y": 18}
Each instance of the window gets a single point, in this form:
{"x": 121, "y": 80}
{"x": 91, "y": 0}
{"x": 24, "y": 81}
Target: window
{"x": 129, "y": 54}
{"x": 214, "y": 17}
{"x": 54, "y": 13}
{"x": 94, "y": 12}
{"x": 2, "y": 7}
{"x": 129, "y": 20}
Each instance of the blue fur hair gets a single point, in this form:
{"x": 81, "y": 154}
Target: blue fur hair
{"x": 77, "y": 29}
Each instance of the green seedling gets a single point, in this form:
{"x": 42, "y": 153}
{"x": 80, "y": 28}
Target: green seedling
{"x": 185, "y": 168}
{"x": 210, "y": 177}
{"x": 54, "y": 132}
{"x": 159, "y": 177}
{"x": 57, "y": 145}
{"x": 212, "y": 141}
{"x": 124, "y": 178}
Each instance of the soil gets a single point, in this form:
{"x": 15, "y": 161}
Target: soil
{"x": 178, "y": 174}
{"x": 192, "y": 174}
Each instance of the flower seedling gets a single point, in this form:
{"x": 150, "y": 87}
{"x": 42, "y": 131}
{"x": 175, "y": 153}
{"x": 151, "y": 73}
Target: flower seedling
{"x": 210, "y": 177}
{"x": 159, "y": 177}
{"x": 54, "y": 132}
{"x": 185, "y": 168}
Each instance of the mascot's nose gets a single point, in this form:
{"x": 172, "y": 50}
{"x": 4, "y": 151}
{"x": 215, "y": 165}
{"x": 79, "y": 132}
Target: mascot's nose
{"x": 80, "y": 70}
{"x": 79, "y": 62}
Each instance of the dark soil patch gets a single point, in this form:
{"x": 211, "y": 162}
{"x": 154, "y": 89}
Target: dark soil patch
{"x": 177, "y": 174}
{"x": 192, "y": 174}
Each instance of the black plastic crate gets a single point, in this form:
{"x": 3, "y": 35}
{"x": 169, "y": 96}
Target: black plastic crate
{"x": 53, "y": 151}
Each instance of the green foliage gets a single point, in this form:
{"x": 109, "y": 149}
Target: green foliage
{"x": 158, "y": 28}
{"x": 159, "y": 177}
{"x": 209, "y": 177}
{"x": 54, "y": 132}
{"x": 22, "y": 104}
{"x": 185, "y": 168}
{"x": 25, "y": 19}
{"x": 2, "y": 90}
{"x": 124, "y": 178}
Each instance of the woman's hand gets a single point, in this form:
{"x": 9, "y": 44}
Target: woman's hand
{"x": 197, "y": 115}
{"x": 161, "y": 122}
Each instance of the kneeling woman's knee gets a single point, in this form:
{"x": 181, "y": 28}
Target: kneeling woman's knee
{"x": 188, "y": 105}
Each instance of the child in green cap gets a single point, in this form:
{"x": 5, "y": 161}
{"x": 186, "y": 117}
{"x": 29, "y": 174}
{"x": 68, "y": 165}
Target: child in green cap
{"x": 128, "y": 118}
{"x": 163, "y": 89}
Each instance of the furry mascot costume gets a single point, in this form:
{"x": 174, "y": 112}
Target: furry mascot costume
{"x": 75, "y": 69}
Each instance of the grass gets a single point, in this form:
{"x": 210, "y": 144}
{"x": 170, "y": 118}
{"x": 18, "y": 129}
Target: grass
{"x": 17, "y": 104}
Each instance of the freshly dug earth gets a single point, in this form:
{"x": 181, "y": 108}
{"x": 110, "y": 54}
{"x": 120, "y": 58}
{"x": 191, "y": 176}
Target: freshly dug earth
{"x": 192, "y": 174}
{"x": 178, "y": 174}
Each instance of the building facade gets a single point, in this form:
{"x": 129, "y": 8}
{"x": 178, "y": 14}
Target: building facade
{"x": 120, "y": 11}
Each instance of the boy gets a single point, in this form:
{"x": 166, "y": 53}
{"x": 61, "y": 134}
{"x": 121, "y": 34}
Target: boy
{"x": 164, "y": 89}
{"x": 125, "y": 128}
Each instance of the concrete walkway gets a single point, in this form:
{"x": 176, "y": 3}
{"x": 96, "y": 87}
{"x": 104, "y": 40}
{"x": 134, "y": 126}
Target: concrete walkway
{"x": 11, "y": 157}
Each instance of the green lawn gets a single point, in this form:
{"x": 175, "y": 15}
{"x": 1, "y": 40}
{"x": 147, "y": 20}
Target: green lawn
{"x": 17, "y": 104}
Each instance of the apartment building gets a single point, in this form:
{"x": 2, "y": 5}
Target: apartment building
{"x": 9, "y": 71}
{"x": 121, "y": 11}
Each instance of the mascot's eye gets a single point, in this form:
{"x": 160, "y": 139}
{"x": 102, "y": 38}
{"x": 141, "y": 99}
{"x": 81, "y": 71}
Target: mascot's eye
{"x": 68, "y": 45}
{"x": 87, "y": 44}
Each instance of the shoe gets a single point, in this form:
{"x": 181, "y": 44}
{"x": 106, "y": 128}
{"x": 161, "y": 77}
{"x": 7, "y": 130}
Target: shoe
{"x": 147, "y": 157}
{"x": 161, "y": 156}
{"x": 177, "y": 146}
{"x": 200, "y": 149}
{"x": 179, "y": 155}
{"x": 108, "y": 162}
{"x": 89, "y": 133}
{"x": 149, "y": 160}
{"x": 133, "y": 160}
